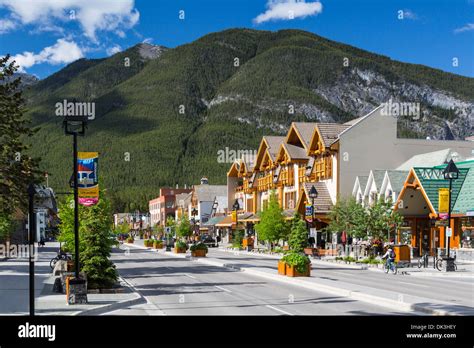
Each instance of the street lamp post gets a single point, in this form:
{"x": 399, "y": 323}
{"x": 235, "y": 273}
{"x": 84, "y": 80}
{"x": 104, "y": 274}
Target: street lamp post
{"x": 194, "y": 212}
{"x": 236, "y": 207}
{"x": 76, "y": 125}
{"x": 451, "y": 172}
{"x": 313, "y": 194}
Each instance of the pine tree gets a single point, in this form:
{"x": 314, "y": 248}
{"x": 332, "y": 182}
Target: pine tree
{"x": 17, "y": 169}
{"x": 298, "y": 239}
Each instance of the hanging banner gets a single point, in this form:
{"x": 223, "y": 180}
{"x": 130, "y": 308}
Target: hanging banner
{"x": 309, "y": 213}
{"x": 88, "y": 179}
{"x": 443, "y": 200}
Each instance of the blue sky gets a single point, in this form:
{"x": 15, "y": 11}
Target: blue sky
{"x": 45, "y": 35}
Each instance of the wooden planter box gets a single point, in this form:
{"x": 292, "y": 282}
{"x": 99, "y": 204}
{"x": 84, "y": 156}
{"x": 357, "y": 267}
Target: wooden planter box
{"x": 281, "y": 268}
{"x": 179, "y": 250}
{"x": 198, "y": 253}
{"x": 158, "y": 246}
{"x": 292, "y": 272}
{"x": 130, "y": 241}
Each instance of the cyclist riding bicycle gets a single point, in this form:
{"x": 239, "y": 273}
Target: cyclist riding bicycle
{"x": 390, "y": 256}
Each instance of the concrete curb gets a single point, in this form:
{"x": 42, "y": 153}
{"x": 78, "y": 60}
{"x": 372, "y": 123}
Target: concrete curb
{"x": 138, "y": 299}
{"x": 371, "y": 299}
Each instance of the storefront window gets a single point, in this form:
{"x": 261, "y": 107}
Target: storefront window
{"x": 467, "y": 233}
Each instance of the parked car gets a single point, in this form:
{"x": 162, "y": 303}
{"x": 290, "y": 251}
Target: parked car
{"x": 209, "y": 241}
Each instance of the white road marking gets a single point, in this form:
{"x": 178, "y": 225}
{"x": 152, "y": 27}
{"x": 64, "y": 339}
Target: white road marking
{"x": 423, "y": 286}
{"x": 190, "y": 276}
{"x": 221, "y": 288}
{"x": 278, "y": 310}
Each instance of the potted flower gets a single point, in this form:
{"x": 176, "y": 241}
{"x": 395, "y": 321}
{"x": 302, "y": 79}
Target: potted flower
{"x": 297, "y": 265}
{"x": 147, "y": 242}
{"x": 130, "y": 240}
{"x": 180, "y": 247}
{"x": 198, "y": 250}
{"x": 158, "y": 244}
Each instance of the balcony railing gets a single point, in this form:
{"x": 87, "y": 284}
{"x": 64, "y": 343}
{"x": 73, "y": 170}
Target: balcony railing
{"x": 264, "y": 183}
{"x": 287, "y": 177}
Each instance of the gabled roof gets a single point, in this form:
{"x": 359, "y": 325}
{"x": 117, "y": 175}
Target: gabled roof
{"x": 305, "y": 130}
{"x": 273, "y": 143}
{"x": 430, "y": 159}
{"x": 330, "y": 132}
{"x": 208, "y": 193}
{"x": 431, "y": 179}
{"x": 295, "y": 152}
{"x": 375, "y": 176}
{"x": 397, "y": 178}
{"x": 323, "y": 202}
{"x": 360, "y": 182}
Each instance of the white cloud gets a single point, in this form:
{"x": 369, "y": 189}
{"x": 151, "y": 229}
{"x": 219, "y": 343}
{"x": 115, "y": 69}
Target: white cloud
{"x": 467, "y": 27}
{"x": 62, "y": 52}
{"x": 92, "y": 15}
{"x": 409, "y": 14}
{"x": 6, "y": 25}
{"x": 114, "y": 49}
{"x": 288, "y": 9}
{"x": 148, "y": 40}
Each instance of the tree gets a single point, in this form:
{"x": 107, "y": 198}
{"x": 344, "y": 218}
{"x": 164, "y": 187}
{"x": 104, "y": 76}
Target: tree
{"x": 349, "y": 216}
{"x": 298, "y": 239}
{"x": 381, "y": 219}
{"x": 5, "y": 226}
{"x": 17, "y": 169}
{"x": 183, "y": 229}
{"x": 272, "y": 226}
{"x": 94, "y": 237}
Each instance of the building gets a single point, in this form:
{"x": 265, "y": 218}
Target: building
{"x": 329, "y": 156}
{"x": 164, "y": 205}
{"x": 208, "y": 201}
{"x": 425, "y": 226}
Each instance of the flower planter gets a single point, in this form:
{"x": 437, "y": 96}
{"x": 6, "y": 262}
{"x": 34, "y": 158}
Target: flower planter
{"x": 130, "y": 241}
{"x": 179, "y": 250}
{"x": 198, "y": 253}
{"x": 292, "y": 272}
{"x": 158, "y": 246}
{"x": 281, "y": 268}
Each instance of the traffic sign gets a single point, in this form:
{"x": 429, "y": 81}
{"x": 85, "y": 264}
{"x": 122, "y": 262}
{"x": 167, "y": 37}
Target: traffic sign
{"x": 449, "y": 232}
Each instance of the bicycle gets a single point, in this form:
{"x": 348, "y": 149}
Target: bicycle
{"x": 439, "y": 264}
{"x": 423, "y": 261}
{"x": 60, "y": 256}
{"x": 390, "y": 266}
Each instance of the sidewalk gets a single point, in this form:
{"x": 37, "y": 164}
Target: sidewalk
{"x": 14, "y": 275}
{"x": 389, "y": 299}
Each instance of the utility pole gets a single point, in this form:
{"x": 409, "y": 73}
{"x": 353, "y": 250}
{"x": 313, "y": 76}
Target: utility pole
{"x": 31, "y": 244}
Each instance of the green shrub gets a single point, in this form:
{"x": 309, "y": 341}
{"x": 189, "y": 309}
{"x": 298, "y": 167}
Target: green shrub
{"x": 181, "y": 245}
{"x": 349, "y": 259}
{"x": 130, "y": 240}
{"x": 297, "y": 260}
{"x": 199, "y": 246}
{"x": 238, "y": 238}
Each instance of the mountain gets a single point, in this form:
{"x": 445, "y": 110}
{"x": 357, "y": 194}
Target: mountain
{"x": 27, "y": 80}
{"x": 162, "y": 119}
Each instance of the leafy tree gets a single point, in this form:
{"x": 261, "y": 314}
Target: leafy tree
{"x": 123, "y": 228}
{"x": 95, "y": 240}
{"x": 272, "y": 226}
{"x": 298, "y": 239}
{"x": 237, "y": 238}
{"x": 349, "y": 216}
{"x": 5, "y": 226}
{"x": 381, "y": 219}
{"x": 17, "y": 169}
{"x": 183, "y": 229}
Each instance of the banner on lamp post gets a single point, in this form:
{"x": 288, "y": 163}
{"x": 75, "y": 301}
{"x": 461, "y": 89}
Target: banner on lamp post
{"x": 443, "y": 200}
{"x": 309, "y": 213}
{"x": 88, "y": 179}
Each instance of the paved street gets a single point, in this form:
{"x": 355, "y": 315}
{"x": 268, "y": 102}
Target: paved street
{"x": 459, "y": 291}
{"x": 177, "y": 286}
